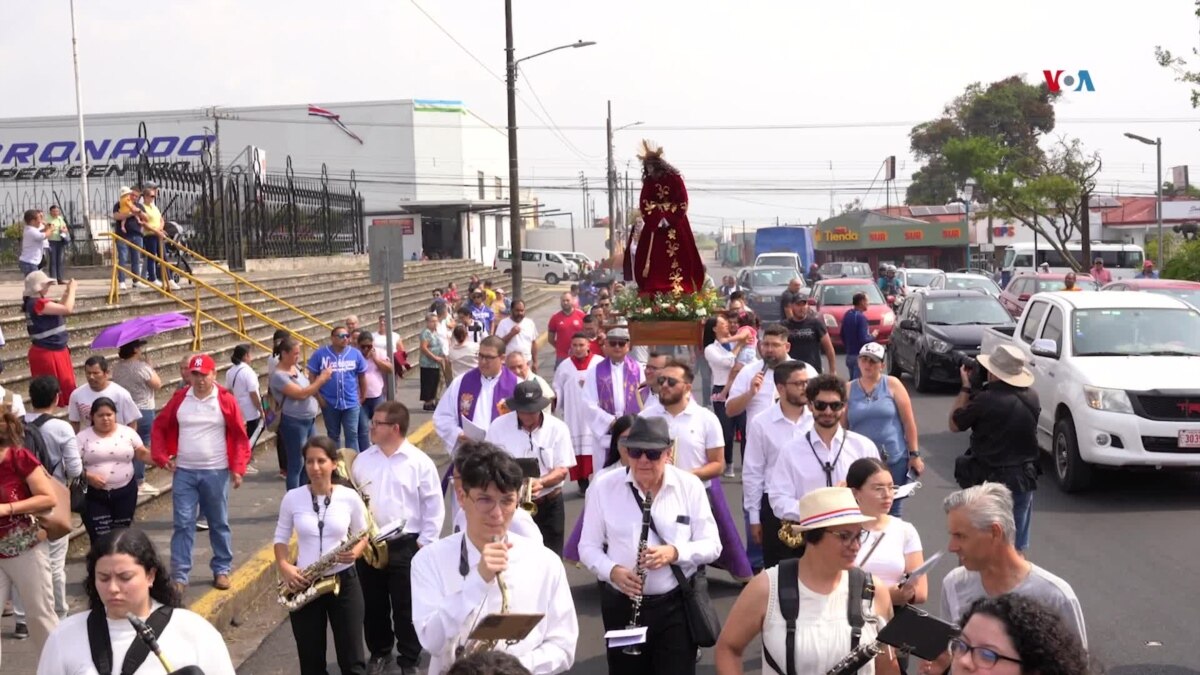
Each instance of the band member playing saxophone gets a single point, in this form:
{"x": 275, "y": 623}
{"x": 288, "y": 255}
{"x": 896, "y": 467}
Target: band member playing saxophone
{"x": 487, "y": 569}
{"x": 402, "y": 486}
{"x": 683, "y": 533}
{"x": 322, "y": 515}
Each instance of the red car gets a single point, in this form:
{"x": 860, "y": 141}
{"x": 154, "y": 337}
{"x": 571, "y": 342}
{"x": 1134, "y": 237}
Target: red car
{"x": 1187, "y": 291}
{"x": 832, "y": 298}
{"x": 1023, "y": 286}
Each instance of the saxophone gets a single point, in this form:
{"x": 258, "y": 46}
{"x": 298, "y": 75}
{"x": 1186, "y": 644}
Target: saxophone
{"x": 315, "y": 574}
{"x": 376, "y": 553}
{"x": 640, "y": 570}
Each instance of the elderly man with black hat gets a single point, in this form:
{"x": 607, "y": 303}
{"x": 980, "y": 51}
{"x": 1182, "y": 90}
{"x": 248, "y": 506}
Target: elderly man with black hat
{"x": 681, "y": 539}
{"x": 1003, "y": 417}
{"x": 528, "y": 432}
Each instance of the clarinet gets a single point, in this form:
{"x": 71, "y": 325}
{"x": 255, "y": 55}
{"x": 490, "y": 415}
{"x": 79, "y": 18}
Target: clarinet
{"x": 640, "y": 570}
{"x": 856, "y": 659}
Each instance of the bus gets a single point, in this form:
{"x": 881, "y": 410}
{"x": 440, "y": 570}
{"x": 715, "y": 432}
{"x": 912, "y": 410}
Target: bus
{"x": 1122, "y": 260}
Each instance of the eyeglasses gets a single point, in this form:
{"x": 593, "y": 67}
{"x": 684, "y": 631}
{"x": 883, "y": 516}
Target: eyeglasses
{"x": 378, "y": 423}
{"x": 485, "y": 503}
{"x": 488, "y": 357}
{"x": 801, "y": 384}
{"x": 883, "y": 490}
{"x": 850, "y": 538}
{"x": 638, "y": 453}
{"x": 341, "y": 336}
{"x": 822, "y": 406}
{"x": 669, "y": 381}
{"x": 617, "y": 343}
{"x": 982, "y": 657}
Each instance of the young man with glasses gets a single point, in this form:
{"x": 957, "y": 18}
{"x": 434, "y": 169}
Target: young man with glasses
{"x": 683, "y": 535}
{"x": 402, "y": 484}
{"x": 529, "y": 432}
{"x": 819, "y": 457}
{"x": 611, "y": 389}
{"x": 486, "y": 568}
{"x": 473, "y": 399}
{"x": 343, "y": 394}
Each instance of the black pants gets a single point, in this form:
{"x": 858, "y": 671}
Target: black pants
{"x": 729, "y": 427}
{"x": 343, "y": 613}
{"x": 668, "y": 650}
{"x": 430, "y": 377}
{"x": 551, "y": 520}
{"x": 107, "y": 510}
{"x": 387, "y": 596}
{"x": 774, "y": 550}
{"x": 251, "y": 426}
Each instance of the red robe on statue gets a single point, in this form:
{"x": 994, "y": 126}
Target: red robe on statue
{"x": 666, "y": 260}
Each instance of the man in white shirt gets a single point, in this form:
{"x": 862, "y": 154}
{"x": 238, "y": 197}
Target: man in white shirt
{"x": 79, "y": 407}
{"x": 519, "y": 365}
{"x": 817, "y": 458}
{"x": 569, "y": 379}
{"x": 33, "y": 242}
{"x": 747, "y": 392}
{"x": 530, "y": 432}
{"x": 612, "y": 389}
{"x": 468, "y": 576}
{"x": 405, "y": 498}
{"x": 474, "y": 396}
{"x": 519, "y": 333}
{"x": 653, "y": 366}
{"x": 683, "y": 534}
{"x": 766, "y": 438}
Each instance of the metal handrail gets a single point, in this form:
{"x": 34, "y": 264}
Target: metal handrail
{"x": 239, "y": 280}
{"x": 197, "y": 284}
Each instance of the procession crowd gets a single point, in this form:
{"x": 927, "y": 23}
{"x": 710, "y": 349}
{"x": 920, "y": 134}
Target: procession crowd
{"x": 645, "y": 433}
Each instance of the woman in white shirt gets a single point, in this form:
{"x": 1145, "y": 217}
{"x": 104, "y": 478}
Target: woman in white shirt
{"x": 324, "y": 515}
{"x": 242, "y": 382}
{"x": 463, "y": 352}
{"x": 893, "y": 544}
{"x": 126, "y": 576}
{"x": 108, "y": 450}
{"x": 720, "y": 357}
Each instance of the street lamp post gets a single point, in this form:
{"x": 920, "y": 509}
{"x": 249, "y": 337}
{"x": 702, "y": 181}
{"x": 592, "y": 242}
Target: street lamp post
{"x": 611, "y": 178}
{"x": 514, "y": 192}
{"x": 1157, "y": 143}
{"x": 968, "y": 192}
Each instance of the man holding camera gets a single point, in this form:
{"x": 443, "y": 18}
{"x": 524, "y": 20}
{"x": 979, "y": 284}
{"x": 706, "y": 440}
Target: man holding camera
{"x": 1002, "y": 413}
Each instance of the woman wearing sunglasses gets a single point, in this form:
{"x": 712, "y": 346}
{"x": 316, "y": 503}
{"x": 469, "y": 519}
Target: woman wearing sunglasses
{"x": 1014, "y": 635}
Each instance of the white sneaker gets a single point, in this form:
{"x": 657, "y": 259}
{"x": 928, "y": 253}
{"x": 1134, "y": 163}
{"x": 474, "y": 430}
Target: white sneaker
{"x": 251, "y": 470}
{"x": 123, "y": 286}
{"x": 729, "y": 473}
{"x": 147, "y": 489}
{"x": 172, "y": 285}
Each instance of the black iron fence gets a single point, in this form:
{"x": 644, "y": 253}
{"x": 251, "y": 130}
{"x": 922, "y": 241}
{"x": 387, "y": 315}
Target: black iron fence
{"x": 231, "y": 216}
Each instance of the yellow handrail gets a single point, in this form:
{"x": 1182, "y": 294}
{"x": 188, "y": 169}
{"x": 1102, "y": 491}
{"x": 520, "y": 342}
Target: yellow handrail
{"x": 238, "y": 280}
{"x": 197, "y": 284}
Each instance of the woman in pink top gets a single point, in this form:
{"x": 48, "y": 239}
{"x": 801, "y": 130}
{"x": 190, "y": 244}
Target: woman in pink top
{"x": 108, "y": 450}
{"x": 379, "y": 366}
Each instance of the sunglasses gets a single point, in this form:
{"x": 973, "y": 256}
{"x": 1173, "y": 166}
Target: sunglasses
{"x": 668, "y": 381}
{"x": 617, "y": 343}
{"x": 342, "y": 336}
{"x": 822, "y": 406}
{"x": 638, "y": 453}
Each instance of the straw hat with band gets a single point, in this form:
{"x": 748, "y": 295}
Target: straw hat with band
{"x": 1007, "y": 363}
{"x": 828, "y": 507}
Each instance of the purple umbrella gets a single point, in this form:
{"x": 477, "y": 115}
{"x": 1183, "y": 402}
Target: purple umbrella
{"x": 139, "y": 328}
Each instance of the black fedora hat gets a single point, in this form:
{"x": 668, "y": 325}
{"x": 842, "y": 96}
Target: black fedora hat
{"x": 648, "y": 433}
{"x": 527, "y": 397}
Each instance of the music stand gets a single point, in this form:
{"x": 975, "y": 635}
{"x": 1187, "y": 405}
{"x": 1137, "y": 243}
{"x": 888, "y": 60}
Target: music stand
{"x": 914, "y": 631}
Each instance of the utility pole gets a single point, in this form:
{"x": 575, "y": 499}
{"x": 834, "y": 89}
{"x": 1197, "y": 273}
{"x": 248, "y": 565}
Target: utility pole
{"x": 514, "y": 192}
{"x": 583, "y": 183}
{"x": 83, "y": 157}
{"x": 611, "y": 177}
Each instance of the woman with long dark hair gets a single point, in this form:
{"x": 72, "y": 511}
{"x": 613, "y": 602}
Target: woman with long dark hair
{"x": 323, "y": 514}
{"x": 613, "y": 461}
{"x": 289, "y": 384}
{"x": 1015, "y": 635}
{"x": 126, "y": 576}
{"x": 242, "y": 382}
{"x": 108, "y": 450}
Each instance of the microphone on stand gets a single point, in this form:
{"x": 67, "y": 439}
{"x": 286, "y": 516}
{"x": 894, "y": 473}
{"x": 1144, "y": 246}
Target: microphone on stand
{"x": 146, "y": 633}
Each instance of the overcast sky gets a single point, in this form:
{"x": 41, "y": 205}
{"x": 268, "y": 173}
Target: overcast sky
{"x": 849, "y": 77}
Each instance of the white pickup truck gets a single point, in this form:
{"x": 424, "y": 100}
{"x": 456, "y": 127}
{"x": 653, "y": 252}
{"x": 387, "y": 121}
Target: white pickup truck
{"x": 1118, "y": 377}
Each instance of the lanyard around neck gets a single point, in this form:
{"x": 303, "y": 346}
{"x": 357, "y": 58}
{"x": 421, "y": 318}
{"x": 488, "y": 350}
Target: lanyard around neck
{"x": 827, "y": 467}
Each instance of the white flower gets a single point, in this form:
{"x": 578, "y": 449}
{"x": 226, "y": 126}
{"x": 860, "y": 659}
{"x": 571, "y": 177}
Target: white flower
{"x": 680, "y": 306}
{"x": 647, "y": 311}
{"x": 701, "y": 312}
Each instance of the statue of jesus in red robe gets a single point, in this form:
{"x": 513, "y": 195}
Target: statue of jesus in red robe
{"x": 666, "y": 260}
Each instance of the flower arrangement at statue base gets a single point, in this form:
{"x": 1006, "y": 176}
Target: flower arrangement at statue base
{"x": 667, "y": 318}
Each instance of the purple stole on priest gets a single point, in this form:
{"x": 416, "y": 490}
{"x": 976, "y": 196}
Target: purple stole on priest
{"x": 472, "y": 383}
{"x": 630, "y": 391}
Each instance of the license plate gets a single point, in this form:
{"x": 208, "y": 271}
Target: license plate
{"x": 1189, "y": 438}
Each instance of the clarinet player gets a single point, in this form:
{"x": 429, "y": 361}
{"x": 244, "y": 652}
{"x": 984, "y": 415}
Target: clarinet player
{"x": 684, "y": 533}
{"x": 323, "y": 514}
{"x": 487, "y": 569}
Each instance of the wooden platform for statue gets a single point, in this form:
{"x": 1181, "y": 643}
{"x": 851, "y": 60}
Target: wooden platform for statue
{"x": 675, "y": 333}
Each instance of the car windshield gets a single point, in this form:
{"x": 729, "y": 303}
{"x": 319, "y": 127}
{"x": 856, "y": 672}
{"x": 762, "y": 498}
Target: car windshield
{"x": 968, "y": 283}
{"x": 970, "y": 311}
{"x": 1188, "y": 295}
{"x": 843, "y": 294}
{"x": 1136, "y": 332}
{"x": 1051, "y": 285}
{"x": 760, "y": 278}
{"x": 919, "y": 279}
{"x": 783, "y": 260}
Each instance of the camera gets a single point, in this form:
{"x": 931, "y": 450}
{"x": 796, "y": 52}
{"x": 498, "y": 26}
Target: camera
{"x": 978, "y": 373}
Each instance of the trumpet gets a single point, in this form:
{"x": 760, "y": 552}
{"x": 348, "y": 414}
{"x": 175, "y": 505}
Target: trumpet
{"x": 526, "y": 496}
{"x": 376, "y": 553}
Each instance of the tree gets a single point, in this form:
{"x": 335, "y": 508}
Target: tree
{"x": 1179, "y": 65}
{"x": 855, "y": 205}
{"x": 1169, "y": 190}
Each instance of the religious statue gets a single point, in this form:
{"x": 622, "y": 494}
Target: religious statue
{"x": 666, "y": 259}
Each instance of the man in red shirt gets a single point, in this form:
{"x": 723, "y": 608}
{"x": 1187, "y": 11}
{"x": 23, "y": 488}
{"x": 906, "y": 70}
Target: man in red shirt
{"x": 563, "y": 326}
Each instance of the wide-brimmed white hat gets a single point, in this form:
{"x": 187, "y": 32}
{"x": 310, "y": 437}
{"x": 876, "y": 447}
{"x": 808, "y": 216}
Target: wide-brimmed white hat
{"x": 1007, "y": 363}
{"x": 827, "y": 507}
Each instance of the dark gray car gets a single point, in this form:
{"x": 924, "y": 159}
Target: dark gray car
{"x": 763, "y": 286}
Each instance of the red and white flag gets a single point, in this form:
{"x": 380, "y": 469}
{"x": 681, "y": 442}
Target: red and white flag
{"x": 316, "y": 111}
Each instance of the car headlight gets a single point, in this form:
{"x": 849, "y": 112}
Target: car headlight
{"x": 889, "y": 318}
{"x": 936, "y": 345}
{"x": 830, "y": 321}
{"x": 1111, "y": 400}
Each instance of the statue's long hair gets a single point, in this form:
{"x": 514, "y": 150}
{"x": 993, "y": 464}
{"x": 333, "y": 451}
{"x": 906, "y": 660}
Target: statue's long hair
{"x": 653, "y": 163}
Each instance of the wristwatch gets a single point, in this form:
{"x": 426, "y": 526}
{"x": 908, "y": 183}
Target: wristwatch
{"x": 914, "y": 454}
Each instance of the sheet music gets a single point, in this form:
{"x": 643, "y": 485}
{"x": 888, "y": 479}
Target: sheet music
{"x": 923, "y": 569}
{"x": 473, "y": 431}
{"x": 626, "y": 636}
{"x": 907, "y": 490}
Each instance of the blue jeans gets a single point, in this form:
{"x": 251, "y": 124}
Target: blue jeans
{"x": 143, "y": 430}
{"x": 339, "y": 422}
{"x": 150, "y": 243}
{"x": 899, "y": 470}
{"x": 128, "y": 257}
{"x": 364, "y": 420}
{"x": 26, "y": 268}
{"x": 58, "y": 251}
{"x": 852, "y": 366}
{"x": 208, "y": 488}
{"x": 1022, "y": 513}
{"x": 295, "y": 432}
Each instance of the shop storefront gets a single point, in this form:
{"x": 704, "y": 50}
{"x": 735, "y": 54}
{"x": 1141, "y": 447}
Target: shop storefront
{"x": 875, "y": 238}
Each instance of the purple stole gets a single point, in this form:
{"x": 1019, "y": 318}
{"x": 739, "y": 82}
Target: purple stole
{"x": 472, "y": 383}
{"x": 604, "y": 387}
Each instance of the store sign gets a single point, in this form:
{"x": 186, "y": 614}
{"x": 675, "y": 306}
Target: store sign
{"x": 914, "y": 235}
{"x": 405, "y": 224}
{"x": 879, "y": 236}
{"x": 840, "y": 234}
{"x": 37, "y": 161}
{"x": 854, "y": 236}
{"x": 951, "y": 233}
{"x": 1004, "y": 231}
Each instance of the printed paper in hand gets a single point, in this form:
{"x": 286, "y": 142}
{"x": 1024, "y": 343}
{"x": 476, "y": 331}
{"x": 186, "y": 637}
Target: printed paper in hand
{"x": 473, "y": 431}
{"x": 625, "y": 637}
{"x": 907, "y": 490}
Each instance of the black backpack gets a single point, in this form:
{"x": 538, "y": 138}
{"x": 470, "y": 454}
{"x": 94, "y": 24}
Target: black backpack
{"x": 36, "y": 443}
{"x": 100, "y": 642}
{"x": 861, "y": 588}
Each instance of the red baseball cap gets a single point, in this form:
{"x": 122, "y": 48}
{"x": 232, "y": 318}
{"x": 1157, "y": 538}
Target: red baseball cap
{"x": 203, "y": 364}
